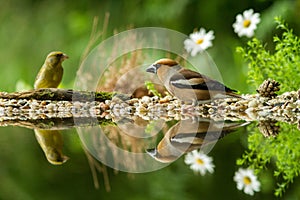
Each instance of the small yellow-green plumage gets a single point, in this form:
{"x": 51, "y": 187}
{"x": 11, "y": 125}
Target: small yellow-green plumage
{"x": 51, "y": 73}
{"x": 51, "y": 142}
{"x": 50, "y": 76}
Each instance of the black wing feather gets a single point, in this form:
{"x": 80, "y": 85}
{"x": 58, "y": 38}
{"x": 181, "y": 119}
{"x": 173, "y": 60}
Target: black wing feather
{"x": 188, "y": 74}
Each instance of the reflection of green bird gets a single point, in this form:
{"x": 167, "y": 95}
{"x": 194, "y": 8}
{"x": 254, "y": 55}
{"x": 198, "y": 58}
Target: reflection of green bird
{"x": 51, "y": 73}
{"x": 51, "y": 142}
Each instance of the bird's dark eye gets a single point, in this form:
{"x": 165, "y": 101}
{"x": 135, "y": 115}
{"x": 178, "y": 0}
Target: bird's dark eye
{"x": 58, "y": 55}
{"x": 156, "y": 65}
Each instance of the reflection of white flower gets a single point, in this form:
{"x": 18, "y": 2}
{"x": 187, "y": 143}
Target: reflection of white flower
{"x": 245, "y": 178}
{"x": 199, "y": 41}
{"x": 246, "y": 24}
{"x": 199, "y": 162}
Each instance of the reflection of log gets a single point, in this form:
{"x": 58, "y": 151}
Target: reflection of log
{"x": 55, "y": 94}
{"x": 57, "y": 123}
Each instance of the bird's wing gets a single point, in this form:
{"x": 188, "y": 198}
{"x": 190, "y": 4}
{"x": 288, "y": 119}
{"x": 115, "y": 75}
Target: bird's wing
{"x": 38, "y": 75}
{"x": 39, "y": 79}
{"x": 189, "y": 79}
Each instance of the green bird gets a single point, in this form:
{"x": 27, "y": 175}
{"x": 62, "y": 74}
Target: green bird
{"x": 50, "y": 76}
{"x": 51, "y": 73}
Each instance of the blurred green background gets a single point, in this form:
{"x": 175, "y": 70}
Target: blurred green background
{"x": 30, "y": 29}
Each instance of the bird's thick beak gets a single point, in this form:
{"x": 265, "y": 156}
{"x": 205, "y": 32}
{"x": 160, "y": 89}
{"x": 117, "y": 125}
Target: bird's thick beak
{"x": 61, "y": 161}
{"x": 152, "y": 152}
{"x": 152, "y": 69}
{"x": 64, "y": 57}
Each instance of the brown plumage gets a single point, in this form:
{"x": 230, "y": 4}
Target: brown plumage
{"x": 186, "y": 84}
{"x": 186, "y": 136}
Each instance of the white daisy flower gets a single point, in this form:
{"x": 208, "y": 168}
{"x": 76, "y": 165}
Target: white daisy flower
{"x": 246, "y": 24}
{"x": 198, "y": 41}
{"x": 199, "y": 162}
{"x": 246, "y": 179}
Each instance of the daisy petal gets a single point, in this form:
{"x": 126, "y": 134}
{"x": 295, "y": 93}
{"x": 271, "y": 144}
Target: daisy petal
{"x": 246, "y": 24}
{"x": 199, "y": 41}
{"x": 199, "y": 162}
{"x": 247, "y": 181}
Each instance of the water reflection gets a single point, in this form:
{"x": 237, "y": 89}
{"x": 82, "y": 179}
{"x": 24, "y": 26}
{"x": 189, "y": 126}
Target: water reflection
{"x": 130, "y": 143}
{"x": 134, "y": 144}
{"x": 51, "y": 142}
{"x": 188, "y": 135}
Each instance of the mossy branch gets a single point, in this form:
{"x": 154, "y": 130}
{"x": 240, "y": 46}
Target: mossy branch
{"x": 53, "y": 109}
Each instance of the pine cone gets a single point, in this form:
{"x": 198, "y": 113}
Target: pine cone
{"x": 268, "y": 128}
{"x": 268, "y": 88}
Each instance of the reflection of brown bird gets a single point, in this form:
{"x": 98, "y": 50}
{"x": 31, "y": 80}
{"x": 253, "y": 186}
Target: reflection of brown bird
{"x": 187, "y": 84}
{"x": 165, "y": 152}
{"x": 51, "y": 142}
{"x": 186, "y": 136}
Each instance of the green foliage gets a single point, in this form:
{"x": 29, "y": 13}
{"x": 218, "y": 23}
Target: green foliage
{"x": 102, "y": 96}
{"x": 150, "y": 127}
{"x": 151, "y": 87}
{"x": 283, "y": 151}
{"x": 283, "y": 65}
{"x": 256, "y": 156}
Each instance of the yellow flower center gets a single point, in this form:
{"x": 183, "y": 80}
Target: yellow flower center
{"x": 246, "y": 23}
{"x": 200, "y": 41}
{"x": 199, "y": 161}
{"x": 247, "y": 180}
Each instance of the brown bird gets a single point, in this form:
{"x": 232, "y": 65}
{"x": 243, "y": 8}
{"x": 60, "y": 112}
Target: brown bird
{"x": 186, "y": 84}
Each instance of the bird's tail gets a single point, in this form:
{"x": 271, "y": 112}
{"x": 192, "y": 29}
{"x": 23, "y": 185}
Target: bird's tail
{"x": 225, "y": 95}
{"x": 230, "y": 94}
